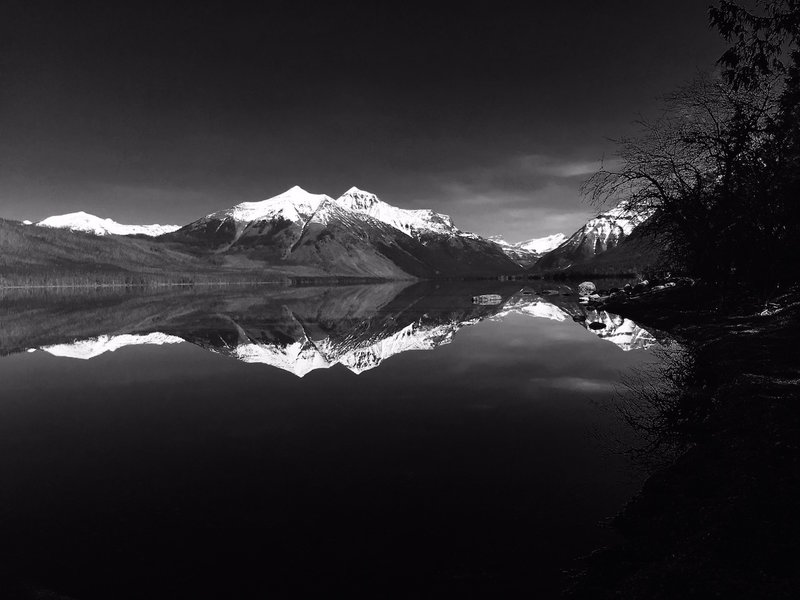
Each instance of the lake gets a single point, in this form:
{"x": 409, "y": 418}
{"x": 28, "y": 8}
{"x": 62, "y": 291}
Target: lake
{"x": 393, "y": 440}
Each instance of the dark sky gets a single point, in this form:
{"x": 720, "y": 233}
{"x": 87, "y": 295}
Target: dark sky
{"x": 491, "y": 113}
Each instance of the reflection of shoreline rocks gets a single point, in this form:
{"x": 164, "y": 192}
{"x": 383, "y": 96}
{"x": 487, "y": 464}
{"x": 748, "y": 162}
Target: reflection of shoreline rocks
{"x": 720, "y": 420}
{"x": 300, "y": 330}
{"x": 620, "y": 331}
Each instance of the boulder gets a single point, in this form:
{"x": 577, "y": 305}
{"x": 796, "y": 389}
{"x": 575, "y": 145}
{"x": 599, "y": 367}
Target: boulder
{"x": 597, "y": 325}
{"x": 586, "y": 288}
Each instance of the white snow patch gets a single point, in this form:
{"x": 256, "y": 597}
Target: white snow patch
{"x": 81, "y": 221}
{"x": 92, "y": 347}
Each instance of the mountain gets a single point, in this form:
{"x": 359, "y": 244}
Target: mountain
{"x": 81, "y": 221}
{"x": 528, "y": 252}
{"x": 415, "y": 223}
{"x": 446, "y": 249}
{"x": 600, "y": 234}
{"x": 295, "y": 234}
{"x": 544, "y": 244}
{"x": 356, "y": 234}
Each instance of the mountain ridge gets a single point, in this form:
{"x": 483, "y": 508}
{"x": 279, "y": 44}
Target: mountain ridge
{"x": 604, "y": 232}
{"x": 89, "y": 223}
{"x": 527, "y": 252}
{"x": 354, "y": 233}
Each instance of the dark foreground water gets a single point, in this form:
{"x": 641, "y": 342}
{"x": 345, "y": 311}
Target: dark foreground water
{"x": 297, "y": 442}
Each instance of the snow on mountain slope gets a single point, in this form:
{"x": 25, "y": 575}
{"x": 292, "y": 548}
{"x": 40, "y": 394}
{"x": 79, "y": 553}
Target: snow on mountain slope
{"x": 605, "y": 231}
{"x": 355, "y": 235}
{"x": 526, "y": 253}
{"x": 81, "y": 221}
{"x": 544, "y": 244}
{"x": 410, "y": 222}
{"x": 295, "y": 204}
{"x": 613, "y": 224}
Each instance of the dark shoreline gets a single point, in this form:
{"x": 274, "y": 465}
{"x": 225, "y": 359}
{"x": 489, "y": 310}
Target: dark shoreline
{"x": 721, "y": 519}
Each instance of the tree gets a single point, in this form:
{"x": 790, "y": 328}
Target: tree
{"x": 721, "y": 164}
{"x": 686, "y": 166}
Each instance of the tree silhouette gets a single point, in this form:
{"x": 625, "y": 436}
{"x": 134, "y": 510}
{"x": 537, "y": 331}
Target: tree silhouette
{"x": 721, "y": 163}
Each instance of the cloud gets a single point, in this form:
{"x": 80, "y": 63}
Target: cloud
{"x": 522, "y": 197}
{"x": 549, "y": 166}
{"x": 574, "y": 384}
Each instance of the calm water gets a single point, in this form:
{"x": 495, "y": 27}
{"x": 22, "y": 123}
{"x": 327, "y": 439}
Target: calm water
{"x": 392, "y": 440}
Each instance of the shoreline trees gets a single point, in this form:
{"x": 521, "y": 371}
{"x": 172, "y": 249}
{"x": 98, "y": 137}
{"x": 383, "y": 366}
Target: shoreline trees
{"x": 721, "y": 164}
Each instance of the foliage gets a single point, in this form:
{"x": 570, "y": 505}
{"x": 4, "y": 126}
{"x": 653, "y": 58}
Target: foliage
{"x": 721, "y": 163}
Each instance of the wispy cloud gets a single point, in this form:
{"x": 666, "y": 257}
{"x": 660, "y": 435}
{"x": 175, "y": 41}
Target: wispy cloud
{"x": 521, "y": 197}
{"x": 550, "y": 166}
{"x": 576, "y": 384}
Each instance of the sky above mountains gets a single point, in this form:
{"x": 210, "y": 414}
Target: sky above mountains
{"x": 166, "y": 112}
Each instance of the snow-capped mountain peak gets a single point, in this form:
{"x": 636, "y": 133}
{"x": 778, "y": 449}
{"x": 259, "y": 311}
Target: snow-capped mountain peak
{"x": 82, "y": 221}
{"x": 295, "y": 204}
{"x": 543, "y": 244}
{"x": 615, "y": 222}
{"x": 356, "y": 198}
{"x": 528, "y": 252}
{"x": 411, "y": 222}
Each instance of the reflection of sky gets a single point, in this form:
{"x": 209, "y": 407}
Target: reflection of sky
{"x": 487, "y": 447}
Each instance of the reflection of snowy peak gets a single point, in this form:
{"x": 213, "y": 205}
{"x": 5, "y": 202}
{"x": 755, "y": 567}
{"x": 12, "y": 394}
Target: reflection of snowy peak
{"x": 86, "y": 349}
{"x": 303, "y": 355}
{"x": 81, "y": 221}
{"x": 416, "y": 336}
{"x": 621, "y": 332}
{"x": 533, "y": 307}
{"x": 300, "y": 330}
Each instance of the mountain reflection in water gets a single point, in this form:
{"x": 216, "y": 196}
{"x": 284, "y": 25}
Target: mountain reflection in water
{"x": 297, "y": 329}
{"x": 162, "y": 468}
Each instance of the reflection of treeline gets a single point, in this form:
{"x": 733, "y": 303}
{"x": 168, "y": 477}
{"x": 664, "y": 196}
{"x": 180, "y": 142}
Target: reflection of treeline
{"x": 719, "y": 419}
{"x": 721, "y": 164}
{"x": 110, "y": 279}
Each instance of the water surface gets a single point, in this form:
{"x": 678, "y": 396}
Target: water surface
{"x": 395, "y": 440}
